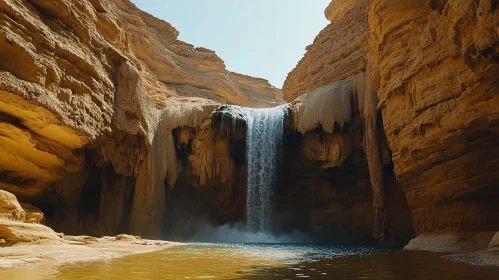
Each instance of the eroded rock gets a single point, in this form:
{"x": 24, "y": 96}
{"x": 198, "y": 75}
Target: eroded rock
{"x": 494, "y": 242}
{"x": 438, "y": 97}
{"x": 18, "y": 232}
{"x": 125, "y": 237}
{"x": 20, "y": 224}
{"x": 337, "y": 53}
{"x": 90, "y": 93}
{"x": 33, "y": 214}
{"x": 450, "y": 242}
{"x": 10, "y": 209}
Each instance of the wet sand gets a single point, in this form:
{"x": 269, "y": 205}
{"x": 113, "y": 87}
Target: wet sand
{"x": 77, "y": 249}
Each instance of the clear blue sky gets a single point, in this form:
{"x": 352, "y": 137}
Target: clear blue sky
{"x": 260, "y": 38}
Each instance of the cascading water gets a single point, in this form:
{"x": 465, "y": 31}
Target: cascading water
{"x": 263, "y": 142}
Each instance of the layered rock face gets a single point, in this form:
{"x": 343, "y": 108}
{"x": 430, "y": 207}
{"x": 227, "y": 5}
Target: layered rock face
{"x": 21, "y": 223}
{"x": 186, "y": 70}
{"x": 429, "y": 111}
{"x": 108, "y": 124}
{"x": 326, "y": 188}
{"x": 338, "y": 52}
{"x": 440, "y": 107}
{"x": 211, "y": 189}
{"x": 90, "y": 95}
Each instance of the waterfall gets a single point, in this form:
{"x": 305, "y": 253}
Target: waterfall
{"x": 263, "y": 142}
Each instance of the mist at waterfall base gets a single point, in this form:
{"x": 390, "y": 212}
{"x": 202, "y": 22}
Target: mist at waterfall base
{"x": 263, "y": 145}
{"x": 199, "y": 230}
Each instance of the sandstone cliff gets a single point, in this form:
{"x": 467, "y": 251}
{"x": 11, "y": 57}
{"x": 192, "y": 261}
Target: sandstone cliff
{"x": 438, "y": 94}
{"x": 90, "y": 93}
{"x": 109, "y": 124}
{"x": 184, "y": 69}
{"x": 337, "y": 53}
{"x": 430, "y": 108}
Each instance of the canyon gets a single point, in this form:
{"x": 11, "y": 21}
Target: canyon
{"x": 109, "y": 124}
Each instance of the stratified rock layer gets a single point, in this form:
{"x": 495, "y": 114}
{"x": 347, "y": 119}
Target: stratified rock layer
{"x": 90, "y": 93}
{"x": 438, "y": 91}
{"x": 108, "y": 124}
{"x": 337, "y": 53}
{"x": 20, "y": 226}
{"x": 186, "y": 70}
{"x": 431, "y": 105}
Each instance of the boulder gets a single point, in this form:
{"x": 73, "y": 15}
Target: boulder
{"x": 494, "y": 242}
{"x": 18, "y": 232}
{"x": 33, "y": 214}
{"x": 450, "y": 242}
{"x": 10, "y": 208}
{"x": 125, "y": 237}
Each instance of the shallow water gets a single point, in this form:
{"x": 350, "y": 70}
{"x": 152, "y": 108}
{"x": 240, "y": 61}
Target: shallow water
{"x": 244, "y": 261}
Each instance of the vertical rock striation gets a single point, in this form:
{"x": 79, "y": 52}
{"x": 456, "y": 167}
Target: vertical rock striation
{"x": 108, "y": 123}
{"x": 429, "y": 108}
{"x": 438, "y": 69}
{"x": 338, "y": 59}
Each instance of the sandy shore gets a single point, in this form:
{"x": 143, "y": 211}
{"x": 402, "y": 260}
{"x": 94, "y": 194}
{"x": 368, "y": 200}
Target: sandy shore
{"x": 76, "y": 249}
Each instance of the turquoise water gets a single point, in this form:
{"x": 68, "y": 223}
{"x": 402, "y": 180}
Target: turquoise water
{"x": 267, "y": 261}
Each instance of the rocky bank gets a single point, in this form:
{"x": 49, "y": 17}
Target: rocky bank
{"x": 109, "y": 124}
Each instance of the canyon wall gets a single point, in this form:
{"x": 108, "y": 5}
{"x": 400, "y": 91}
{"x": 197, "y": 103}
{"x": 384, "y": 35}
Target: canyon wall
{"x": 441, "y": 111}
{"x": 91, "y": 93}
{"x": 109, "y": 124}
{"x": 429, "y": 111}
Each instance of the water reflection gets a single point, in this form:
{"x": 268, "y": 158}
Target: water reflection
{"x": 239, "y": 261}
